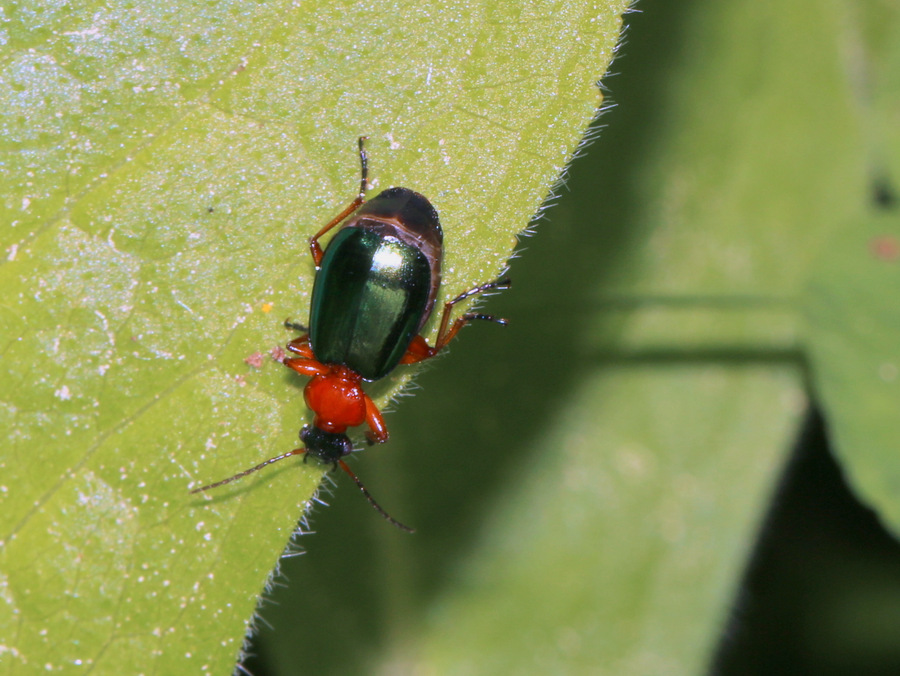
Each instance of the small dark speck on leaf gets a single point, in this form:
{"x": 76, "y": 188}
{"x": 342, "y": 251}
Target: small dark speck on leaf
{"x": 883, "y": 194}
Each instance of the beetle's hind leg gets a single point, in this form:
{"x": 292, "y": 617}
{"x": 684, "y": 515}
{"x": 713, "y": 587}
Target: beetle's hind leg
{"x": 419, "y": 350}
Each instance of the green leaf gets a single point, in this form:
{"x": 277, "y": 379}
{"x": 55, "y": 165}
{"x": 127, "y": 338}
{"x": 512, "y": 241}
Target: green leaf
{"x": 852, "y": 309}
{"x": 854, "y": 337}
{"x": 163, "y": 167}
{"x": 589, "y": 486}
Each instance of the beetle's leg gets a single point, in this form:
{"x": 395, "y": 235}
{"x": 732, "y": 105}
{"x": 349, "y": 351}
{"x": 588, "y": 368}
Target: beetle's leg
{"x": 306, "y": 367}
{"x": 419, "y": 350}
{"x": 302, "y": 347}
{"x": 295, "y": 326}
{"x": 314, "y": 247}
{"x": 448, "y": 331}
{"x": 377, "y": 432}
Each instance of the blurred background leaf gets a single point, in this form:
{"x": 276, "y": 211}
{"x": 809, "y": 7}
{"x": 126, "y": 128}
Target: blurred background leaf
{"x": 590, "y": 484}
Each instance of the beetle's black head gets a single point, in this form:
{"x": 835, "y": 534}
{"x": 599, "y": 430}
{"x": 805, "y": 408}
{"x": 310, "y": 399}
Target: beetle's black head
{"x": 328, "y": 447}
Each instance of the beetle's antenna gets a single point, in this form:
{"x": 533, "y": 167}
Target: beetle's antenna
{"x": 241, "y": 475}
{"x": 299, "y": 451}
{"x": 371, "y": 500}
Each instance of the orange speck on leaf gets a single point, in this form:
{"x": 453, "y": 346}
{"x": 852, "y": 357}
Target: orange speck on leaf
{"x": 255, "y": 360}
{"x": 885, "y": 248}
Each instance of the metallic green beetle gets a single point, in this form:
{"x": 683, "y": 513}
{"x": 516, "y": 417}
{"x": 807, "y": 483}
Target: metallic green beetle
{"x": 375, "y": 287}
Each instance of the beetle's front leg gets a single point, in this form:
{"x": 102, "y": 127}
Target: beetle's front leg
{"x": 377, "y": 432}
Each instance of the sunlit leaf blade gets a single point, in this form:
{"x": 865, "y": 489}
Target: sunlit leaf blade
{"x": 162, "y": 169}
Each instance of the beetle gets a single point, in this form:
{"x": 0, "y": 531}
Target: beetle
{"x": 375, "y": 287}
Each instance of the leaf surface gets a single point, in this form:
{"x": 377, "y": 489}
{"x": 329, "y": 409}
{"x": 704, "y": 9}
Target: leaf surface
{"x": 177, "y": 159}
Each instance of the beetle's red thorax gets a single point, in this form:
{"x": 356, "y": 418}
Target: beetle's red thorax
{"x": 337, "y": 399}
